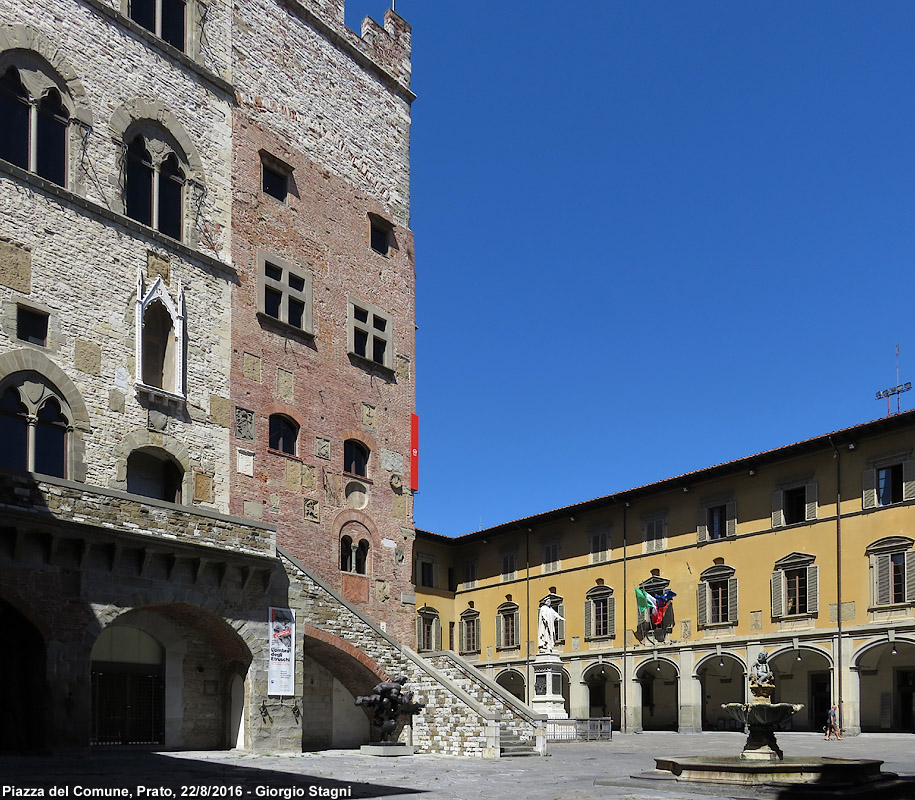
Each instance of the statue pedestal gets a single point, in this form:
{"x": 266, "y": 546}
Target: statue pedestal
{"x": 547, "y": 697}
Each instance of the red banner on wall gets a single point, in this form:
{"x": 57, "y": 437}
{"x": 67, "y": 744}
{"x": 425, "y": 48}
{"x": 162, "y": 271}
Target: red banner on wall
{"x": 414, "y": 452}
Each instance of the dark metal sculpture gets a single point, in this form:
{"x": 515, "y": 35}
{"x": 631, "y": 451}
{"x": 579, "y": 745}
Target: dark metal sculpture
{"x": 390, "y": 702}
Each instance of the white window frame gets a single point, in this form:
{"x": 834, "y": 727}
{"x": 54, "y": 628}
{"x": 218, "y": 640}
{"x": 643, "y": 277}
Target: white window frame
{"x": 159, "y": 293}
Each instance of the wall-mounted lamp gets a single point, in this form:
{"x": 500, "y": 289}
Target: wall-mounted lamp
{"x": 721, "y": 662}
{"x": 798, "y": 656}
{"x": 893, "y": 651}
{"x": 752, "y": 472}
{"x": 659, "y": 666}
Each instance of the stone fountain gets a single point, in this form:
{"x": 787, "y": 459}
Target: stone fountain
{"x": 762, "y": 763}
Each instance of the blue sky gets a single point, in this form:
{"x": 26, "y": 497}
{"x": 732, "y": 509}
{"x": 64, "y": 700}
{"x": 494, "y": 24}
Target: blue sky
{"x": 650, "y": 237}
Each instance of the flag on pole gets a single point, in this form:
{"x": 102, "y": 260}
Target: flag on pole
{"x": 662, "y": 601}
{"x": 645, "y": 601}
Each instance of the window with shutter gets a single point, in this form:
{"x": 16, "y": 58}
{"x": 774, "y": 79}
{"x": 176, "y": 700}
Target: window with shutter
{"x": 716, "y": 597}
{"x": 600, "y": 618}
{"x": 654, "y": 533}
{"x": 892, "y": 570}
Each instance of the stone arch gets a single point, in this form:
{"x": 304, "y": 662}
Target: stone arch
{"x": 609, "y": 669}
{"x": 867, "y": 648}
{"x": 27, "y": 360}
{"x": 802, "y": 649}
{"x": 146, "y": 439}
{"x": 659, "y": 680}
{"x": 199, "y": 648}
{"x": 147, "y": 111}
{"x": 804, "y": 675}
{"x": 20, "y": 38}
{"x": 723, "y": 679}
{"x": 360, "y": 436}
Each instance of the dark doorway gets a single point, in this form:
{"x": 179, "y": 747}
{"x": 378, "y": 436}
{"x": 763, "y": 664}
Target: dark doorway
{"x": 22, "y": 684}
{"x": 820, "y": 699}
{"x": 905, "y": 699}
{"x": 128, "y": 704}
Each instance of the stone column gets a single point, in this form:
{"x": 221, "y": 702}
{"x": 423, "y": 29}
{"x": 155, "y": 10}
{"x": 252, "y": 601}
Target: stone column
{"x": 579, "y": 696}
{"x": 632, "y": 699}
{"x": 850, "y": 712}
{"x": 689, "y": 719}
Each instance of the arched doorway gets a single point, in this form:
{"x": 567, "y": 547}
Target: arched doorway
{"x": 887, "y": 684}
{"x": 128, "y": 688}
{"x": 513, "y": 682}
{"x": 722, "y": 680}
{"x": 603, "y": 683}
{"x": 23, "y": 687}
{"x": 170, "y": 675}
{"x": 803, "y": 676}
{"x": 660, "y": 696}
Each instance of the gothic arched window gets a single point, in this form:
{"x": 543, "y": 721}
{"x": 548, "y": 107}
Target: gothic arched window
{"x": 35, "y": 426}
{"x": 154, "y": 180}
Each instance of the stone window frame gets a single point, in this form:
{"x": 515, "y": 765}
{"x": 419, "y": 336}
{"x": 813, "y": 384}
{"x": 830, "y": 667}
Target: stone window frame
{"x": 158, "y": 293}
{"x": 378, "y": 227}
{"x": 870, "y": 494}
{"x": 428, "y": 616}
{"x": 371, "y": 333}
{"x": 284, "y": 170}
{"x": 594, "y": 595}
{"x": 880, "y": 554}
{"x": 158, "y": 29}
{"x": 35, "y": 391}
{"x": 505, "y": 610}
{"x": 703, "y": 520}
{"x": 35, "y": 309}
{"x": 469, "y": 624}
{"x": 29, "y": 363}
{"x": 651, "y": 542}
{"x": 363, "y": 546}
{"x": 711, "y": 579}
{"x": 294, "y": 426}
{"x": 194, "y": 15}
{"x": 811, "y": 502}
{"x": 42, "y": 68}
{"x": 779, "y": 585}
{"x": 163, "y": 136}
{"x": 289, "y": 272}
{"x": 153, "y": 440}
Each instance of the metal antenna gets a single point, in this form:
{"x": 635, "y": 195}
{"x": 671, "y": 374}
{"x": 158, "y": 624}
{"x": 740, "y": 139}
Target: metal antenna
{"x": 897, "y": 390}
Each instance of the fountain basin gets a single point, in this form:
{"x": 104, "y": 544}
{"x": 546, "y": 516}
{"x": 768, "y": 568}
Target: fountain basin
{"x": 832, "y": 772}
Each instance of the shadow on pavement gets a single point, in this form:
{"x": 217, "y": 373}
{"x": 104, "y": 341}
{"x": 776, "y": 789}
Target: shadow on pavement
{"x": 140, "y": 775}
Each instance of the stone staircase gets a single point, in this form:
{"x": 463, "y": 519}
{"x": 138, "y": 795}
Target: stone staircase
{"x": 511, "y": 745}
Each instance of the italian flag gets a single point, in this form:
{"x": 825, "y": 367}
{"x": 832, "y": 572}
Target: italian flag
{"x": 645, "y": 601}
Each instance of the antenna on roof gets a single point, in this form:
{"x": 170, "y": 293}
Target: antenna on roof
{"x": 897, "y": 390}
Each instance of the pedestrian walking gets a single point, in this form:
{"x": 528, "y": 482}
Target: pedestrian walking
{"x": 832, "y": 723}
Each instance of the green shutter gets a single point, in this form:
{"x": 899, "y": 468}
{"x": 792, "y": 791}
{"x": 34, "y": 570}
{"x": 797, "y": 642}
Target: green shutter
{"x": 731, "y": 511}
{"x": 587, "y": 619}
{"x": 462, "y": 636}
{"x": 882, "y": 579}
{"x": 778, "y": 515}
{"x": 611, "y": 616}
{"x": 419, "y": 633}
{"x": 437, "y": 634}
{"x": 732, "y": 600}
{"x": 702, "y": 605}
{"x": 810, "y": 512}
{"x": 702, "y": 525}
{"x": 517, "y": 616}
{"x": 813, "y": 589}
{"x": 869, "y": 489}
{"x": 499, "y": 642}
{"x": 561, "y": 623}
{"x": 778, "y": 595}
{"x": 910, "y": 576}
{"x": 476, "y": 628}
{"x": 908, "y": 480}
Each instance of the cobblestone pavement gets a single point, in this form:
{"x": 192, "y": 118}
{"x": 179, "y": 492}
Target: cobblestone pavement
{"x": 569, "y": 773}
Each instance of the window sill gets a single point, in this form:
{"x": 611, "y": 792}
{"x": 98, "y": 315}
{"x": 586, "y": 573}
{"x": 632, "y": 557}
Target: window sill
{"x": 161, "y": 395}
{"x": 508, "y": 647}
{"x": 284, "y": 327}
{"x": 290, "y": 456}
{"x": 361, "y": 478}
{"x": 367, "y": 363}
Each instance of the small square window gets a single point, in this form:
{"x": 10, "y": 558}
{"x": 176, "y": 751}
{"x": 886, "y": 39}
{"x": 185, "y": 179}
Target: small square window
{"x": 31, "y": 326}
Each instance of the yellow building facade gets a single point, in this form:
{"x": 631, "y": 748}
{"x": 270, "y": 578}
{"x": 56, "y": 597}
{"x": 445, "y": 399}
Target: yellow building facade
{"x": 804, "y": 552}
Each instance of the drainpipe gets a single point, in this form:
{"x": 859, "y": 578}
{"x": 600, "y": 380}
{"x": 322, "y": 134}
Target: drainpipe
{"x": 838, "y": 577}
{"x": 527, "y": 588}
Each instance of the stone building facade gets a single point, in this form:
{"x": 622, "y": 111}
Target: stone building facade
{"x": 206, "y": 349}
{"x": 804, "y": 552}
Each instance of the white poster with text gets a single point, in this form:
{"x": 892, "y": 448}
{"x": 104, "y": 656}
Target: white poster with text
{"x": 281, "y": 670}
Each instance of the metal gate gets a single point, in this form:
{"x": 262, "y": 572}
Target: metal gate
{"x": 128, "y": 703}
